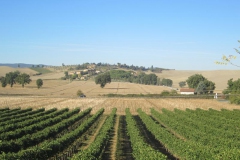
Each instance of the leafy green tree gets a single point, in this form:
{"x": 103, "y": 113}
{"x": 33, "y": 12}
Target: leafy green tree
{"x": 39, "y": 83}
{"x": 210, "y": 86}
{"x": 120, "y": 74}
{"x": 23, "y": 79}
{"x": 233, "y": 91}
{"x": 11, "y": 77}
{"x": 182, "y": 84}
{"x": 150, "y": 79}
{"x": 201, "y": 88}
{"x": 4, "y": 82}
{"x": 167, "y": 82}
{"x": 141, "y": 77}
{"x": 103, "y": 79}
{"x": 66, "y": 74}
{"x": 194, "y": 80}
{"x": 152, "y": 68}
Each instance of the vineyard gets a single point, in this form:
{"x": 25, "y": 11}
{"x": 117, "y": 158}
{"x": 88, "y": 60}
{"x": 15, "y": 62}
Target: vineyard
{"x": 127, "y": 132}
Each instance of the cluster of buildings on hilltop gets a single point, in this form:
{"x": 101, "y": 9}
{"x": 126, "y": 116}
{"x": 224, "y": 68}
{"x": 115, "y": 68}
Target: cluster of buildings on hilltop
{"x": 84, "y": 74}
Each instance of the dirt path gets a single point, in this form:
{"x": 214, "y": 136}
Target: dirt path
{"x": 124, "y": 148}
{"x": 93, "y": 136}
{"x": 111, "y": 147}
{"x": 115, "y": 139}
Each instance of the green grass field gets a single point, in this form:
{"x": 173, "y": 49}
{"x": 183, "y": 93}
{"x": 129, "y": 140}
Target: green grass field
{"x": 41, "y": 70}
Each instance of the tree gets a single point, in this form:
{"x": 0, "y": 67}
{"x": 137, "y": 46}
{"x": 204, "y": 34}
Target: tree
{"x": 182, "y": 84}
{"x": 167, "y": 82}
{"x": 23, "y": 79}
{"x": 4, "y": 82}
{"x": 80, "y": 93}
{"x": 11, "y": 77}
{"x": 210, "y": 86}
{"x": 141, "y": 76}
{"x": 201, "y": 88}
{"x": 152, "y": 68}
{"x": 150, "y": 79}
{"x": 66, "y": 74}
{"x": 39, "y": 83}
{"x": 103, "y": 79}
{"x": 194, "y": 80}
{"x": 228, "y": 59}
{"x": 233, "y": 90}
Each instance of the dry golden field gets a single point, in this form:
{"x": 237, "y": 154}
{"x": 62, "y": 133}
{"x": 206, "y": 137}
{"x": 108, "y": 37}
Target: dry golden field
{"x": 51, "y": 80}
{"x": 61, "y": 88}
{"x": 54, "y": 87}
{"x": 219, "y": 77}
{"x": 5, "y": 69}
{"x": 62, "y": 93}
{"x": 108, "y": 103}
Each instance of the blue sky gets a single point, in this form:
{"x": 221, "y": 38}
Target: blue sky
{"x": 182, "y": 35}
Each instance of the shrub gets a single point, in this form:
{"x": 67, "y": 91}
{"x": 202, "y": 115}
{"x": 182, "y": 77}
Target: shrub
{"x": 165, "y": 93}
{"x": 79, "y": 93}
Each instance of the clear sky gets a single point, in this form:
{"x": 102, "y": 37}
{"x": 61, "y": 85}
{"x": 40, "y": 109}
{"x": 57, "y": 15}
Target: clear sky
{"x": 182, "y": 35}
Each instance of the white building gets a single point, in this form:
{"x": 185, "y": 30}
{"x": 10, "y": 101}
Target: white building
{"x": 187, "y": 91}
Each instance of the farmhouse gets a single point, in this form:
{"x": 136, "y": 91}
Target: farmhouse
{"x": 71, "y": 73}
{"x": 187, "y": 91}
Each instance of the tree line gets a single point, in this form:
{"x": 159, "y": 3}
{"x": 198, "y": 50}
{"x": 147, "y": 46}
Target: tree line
{"x": 201, "y": 84}
{"x": 128, "y": 76}
{"x": 12, "y": 78}
{"x": 132, "y": 77}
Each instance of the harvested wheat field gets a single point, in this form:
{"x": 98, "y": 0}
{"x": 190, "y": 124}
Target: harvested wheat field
{"x": 109, "y": 103}
{"x": 5, "y": 69}
{"x": 60, "y": 88}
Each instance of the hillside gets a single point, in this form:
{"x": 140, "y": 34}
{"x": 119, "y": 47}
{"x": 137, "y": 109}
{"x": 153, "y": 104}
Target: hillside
{"x": 219, "y": 77}
{"x": 6, "y": 69}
